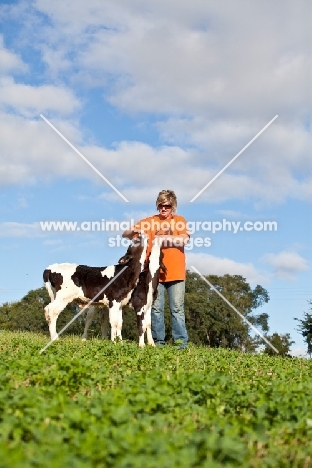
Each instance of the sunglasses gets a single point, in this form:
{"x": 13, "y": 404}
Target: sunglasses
{"x": 164, "y": 207}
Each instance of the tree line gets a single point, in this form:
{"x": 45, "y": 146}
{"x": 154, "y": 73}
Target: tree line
{"x": 210, "y": 321}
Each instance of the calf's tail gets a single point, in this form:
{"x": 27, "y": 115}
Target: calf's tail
{"x": 46, "y": 279}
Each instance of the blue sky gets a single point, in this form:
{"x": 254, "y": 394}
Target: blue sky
{"x": 158, "y": 95}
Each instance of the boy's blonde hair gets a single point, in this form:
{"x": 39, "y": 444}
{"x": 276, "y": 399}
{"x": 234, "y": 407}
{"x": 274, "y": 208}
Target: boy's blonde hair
{"x": 167, "y": 196}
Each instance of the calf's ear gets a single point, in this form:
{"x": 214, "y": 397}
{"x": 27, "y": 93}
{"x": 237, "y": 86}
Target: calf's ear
{"x": 125, "y": 259}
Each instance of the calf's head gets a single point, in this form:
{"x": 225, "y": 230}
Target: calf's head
{"x": 136, "y": 250}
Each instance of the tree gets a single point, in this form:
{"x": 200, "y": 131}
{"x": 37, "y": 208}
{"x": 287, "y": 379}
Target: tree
{"x": 281, "y": 342}
{"x": 305, "y": 328}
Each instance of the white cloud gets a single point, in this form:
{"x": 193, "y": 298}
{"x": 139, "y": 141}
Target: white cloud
{"x": 31, "y": 150}
{"x": 52, "y": 242}
{"x": 10, "y": 61}
{"x": 207, "y": 59}
{"x": 210, "y": 265}
{"x": 15, "y": 229}
{"x": 299, "y": 352}
{"x": 216, "y": 75}
{"x": 32, "y": 100}
{"x": 286, "y": 264}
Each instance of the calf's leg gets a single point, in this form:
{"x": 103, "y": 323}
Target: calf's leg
{"x": 115, "y": 319}
{"x": 140, "y": 325}
{"x": 148, "y": 327}
{"x": 103, "y": 318}
{"x": 52, "y": 311}
{"x": 90, "y": 317}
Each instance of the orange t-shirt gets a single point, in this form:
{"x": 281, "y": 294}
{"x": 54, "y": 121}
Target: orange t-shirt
{"x": 174, "y": 257}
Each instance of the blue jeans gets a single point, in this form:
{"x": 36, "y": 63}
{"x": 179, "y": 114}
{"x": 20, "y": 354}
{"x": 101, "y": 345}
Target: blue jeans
{"x": 175, "y": 290}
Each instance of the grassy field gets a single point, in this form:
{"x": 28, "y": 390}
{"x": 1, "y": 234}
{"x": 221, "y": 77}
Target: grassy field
{"x": 97, "y": 404}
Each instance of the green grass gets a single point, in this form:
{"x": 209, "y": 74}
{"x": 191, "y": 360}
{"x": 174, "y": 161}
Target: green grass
{"x": 99, "y": 404}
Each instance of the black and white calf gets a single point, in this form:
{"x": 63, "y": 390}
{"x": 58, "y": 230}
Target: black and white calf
{"x": 142, "y": 298}
{"x": 67, "y": 282}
